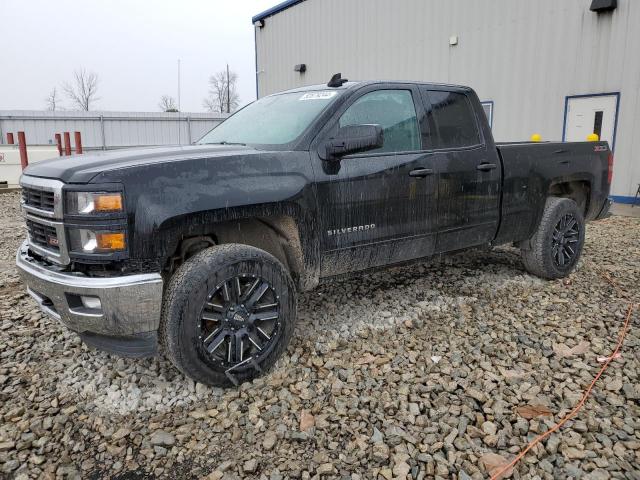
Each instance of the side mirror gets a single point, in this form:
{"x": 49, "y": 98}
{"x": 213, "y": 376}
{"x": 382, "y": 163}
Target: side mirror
{"x": 353, "y": 139}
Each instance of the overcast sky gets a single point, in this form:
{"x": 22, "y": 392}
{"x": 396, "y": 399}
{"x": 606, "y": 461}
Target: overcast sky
{"x": 133, "y": 46}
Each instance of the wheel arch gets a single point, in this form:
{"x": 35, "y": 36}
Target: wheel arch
{"x": 278, "y": 234}
{"x": 577, "y": 190}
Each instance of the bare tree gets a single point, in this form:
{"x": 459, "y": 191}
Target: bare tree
{"x": 83, "y": 91}
{"x": 167, "y": 104}
{"x": 53, "y": 100}
{"x": 223, "y": 94}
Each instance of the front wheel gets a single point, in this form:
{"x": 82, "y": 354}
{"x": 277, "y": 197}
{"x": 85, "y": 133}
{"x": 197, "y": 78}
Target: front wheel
{"x": 228, "y": 314}
{"x": 556, "y": 245}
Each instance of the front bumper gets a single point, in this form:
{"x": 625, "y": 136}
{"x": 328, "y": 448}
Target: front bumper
{"x": 128, "y": 316}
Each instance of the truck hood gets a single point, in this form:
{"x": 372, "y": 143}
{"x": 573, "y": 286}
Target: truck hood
{"x": 83, "y": 168}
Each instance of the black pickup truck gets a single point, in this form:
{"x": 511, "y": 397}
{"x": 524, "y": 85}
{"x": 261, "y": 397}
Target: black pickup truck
{"x": 201, "y": 249}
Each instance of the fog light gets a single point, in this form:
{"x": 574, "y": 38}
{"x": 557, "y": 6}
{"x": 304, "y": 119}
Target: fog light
{"x": 90, "y": 241}
{"x": 110, "y": 241}
{"x": 90, "y": 302}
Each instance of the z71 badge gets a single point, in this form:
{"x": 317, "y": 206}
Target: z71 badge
{"x": 359, "y": 228}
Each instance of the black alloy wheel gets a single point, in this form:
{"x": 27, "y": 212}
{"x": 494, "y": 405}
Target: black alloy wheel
{"x": 240, "y": 321}
{"x": 555, "y": 247}
{"x": 566, "y": 236}
{"x": 228, "y": 314}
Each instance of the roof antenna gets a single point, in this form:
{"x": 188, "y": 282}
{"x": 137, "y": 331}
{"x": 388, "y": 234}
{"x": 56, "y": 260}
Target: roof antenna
{"x": 336, "y": 81}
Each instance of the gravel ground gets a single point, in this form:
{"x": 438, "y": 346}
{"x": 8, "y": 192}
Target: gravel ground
{"x": 418, "y": 372}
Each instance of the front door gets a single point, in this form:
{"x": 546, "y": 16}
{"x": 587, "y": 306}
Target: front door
{"x": 377, "y": 207}
{"x": 591, "y": 114}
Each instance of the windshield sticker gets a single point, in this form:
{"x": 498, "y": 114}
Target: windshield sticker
{"x": 317, "y": 96}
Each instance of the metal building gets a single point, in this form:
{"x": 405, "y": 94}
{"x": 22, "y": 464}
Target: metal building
{"x": 560, "y": 68}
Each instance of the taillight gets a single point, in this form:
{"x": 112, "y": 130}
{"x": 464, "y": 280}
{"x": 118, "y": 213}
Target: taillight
{"x": 610, "y": 162}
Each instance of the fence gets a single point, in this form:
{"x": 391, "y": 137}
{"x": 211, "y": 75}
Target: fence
{"x": 108, "y": 130}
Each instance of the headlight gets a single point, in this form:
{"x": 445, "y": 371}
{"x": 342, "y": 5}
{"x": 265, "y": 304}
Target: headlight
{"x": 93, "y": 241}
{"x": 88, "y": 203}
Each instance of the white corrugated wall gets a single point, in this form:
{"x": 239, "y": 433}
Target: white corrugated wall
{"x": 109, "y": 129}
{"x": 525, "y": 56}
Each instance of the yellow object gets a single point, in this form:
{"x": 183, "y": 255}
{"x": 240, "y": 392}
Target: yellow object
{"x": 536, "y": 137}
{"x": 108, "y": 202}
{"x": 110, "y": 241}
{"x": 593, "y": 137}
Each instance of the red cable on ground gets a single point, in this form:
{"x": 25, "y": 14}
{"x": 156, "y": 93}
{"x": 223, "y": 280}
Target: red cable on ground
{"x": 587, "y": 392}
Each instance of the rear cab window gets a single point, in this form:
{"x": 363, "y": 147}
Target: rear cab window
{"x": 451, "y": 121}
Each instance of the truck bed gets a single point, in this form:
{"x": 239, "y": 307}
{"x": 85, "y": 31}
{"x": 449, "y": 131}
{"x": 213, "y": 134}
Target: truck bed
{"x": 532, "y": 169}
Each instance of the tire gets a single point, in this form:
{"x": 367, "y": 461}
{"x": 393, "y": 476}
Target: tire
{"x": 202, "y": 308}
{"x": 555, "y": 253}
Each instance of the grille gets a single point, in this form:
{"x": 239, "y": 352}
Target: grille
{"x": 43, "y": 235}
{"x": 40, "y": 199}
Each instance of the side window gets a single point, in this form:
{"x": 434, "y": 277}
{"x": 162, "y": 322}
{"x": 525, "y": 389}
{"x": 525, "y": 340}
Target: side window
{"x": 454, "y": 118}
{"x": 488, "y": 111}
{"x": 394, "y": 111}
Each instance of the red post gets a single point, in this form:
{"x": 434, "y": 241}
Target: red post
{"x": 59, "y": 143}
{"x": 78, "y": 140}
{"x": 22, "y": 145}
{"x": 67, "y": 143}
{"x": 10, "y": 139}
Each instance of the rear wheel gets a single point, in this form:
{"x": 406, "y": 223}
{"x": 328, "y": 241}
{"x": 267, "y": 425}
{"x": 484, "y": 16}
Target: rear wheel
{"x": 556, "y": 246}
{"x": 228, "y": 314}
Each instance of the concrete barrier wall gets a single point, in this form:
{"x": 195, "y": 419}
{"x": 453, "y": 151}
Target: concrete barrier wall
{"x": 10, "y": 168}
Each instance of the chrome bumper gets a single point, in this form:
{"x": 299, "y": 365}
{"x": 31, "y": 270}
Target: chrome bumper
{"x": 129, "y": 304}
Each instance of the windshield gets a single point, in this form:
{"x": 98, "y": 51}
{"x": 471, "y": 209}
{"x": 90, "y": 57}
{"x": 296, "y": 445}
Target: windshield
{"x": 273, "y": 120}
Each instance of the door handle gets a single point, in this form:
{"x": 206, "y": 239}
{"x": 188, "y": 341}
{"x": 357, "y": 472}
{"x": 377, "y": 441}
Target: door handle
{"x": 485, "y": 167}
{"x": 564, "y": 162}
{"x": 561, "y": 150}
{"x": 421, "y": 172}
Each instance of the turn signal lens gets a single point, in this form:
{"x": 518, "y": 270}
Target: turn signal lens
{"x": 110, "y": 241}
{"x": 90, "y": 241}
{"x": 111, "y": 202}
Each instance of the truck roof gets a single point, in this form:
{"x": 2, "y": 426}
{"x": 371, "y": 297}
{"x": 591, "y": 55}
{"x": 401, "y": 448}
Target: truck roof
{"x": 354, "y": 84}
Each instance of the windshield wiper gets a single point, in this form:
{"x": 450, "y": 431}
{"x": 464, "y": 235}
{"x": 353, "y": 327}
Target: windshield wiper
{"x": 224, "y": 142}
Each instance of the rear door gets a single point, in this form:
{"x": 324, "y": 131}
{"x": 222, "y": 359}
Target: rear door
{"x": 377, "y": 207}
{"x": 468, "y": 167}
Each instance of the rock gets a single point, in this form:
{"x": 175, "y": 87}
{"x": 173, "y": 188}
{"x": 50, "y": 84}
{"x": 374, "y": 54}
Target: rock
{"x": 400, "y": 466}
{"x": 270, "y": 439}
{"x": 250, "y": 465}
{"x": 489, "y": 428}
{"x": 325, "y": 469}
{"x": 380, "y": 452}
{"x": 120, "y": 433}
{"x": 385, "y": 473}
{"x": 477, "y": 395}
{"x": 598, "y": 474}
{"x": 614, "y": 385}
{"x": 5, "y": 446}
{"x": 377, "y": 436}
{"x": 161, "y": 437}
{"x": 491, "y": 440}
{"x": 553, "y": 441}
{"x": 307, "y": 421}
{"x": 226, "y": 465}
{"x": 573, "y": 453}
